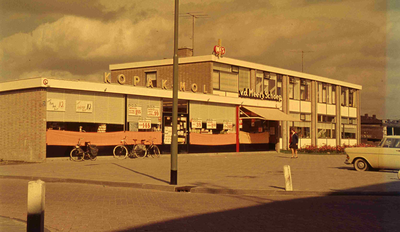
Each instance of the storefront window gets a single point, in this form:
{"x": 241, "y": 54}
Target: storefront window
{"x": 182, "y": 106}
{"x": 326, "y": 126}
{"x": 349, "y": 128}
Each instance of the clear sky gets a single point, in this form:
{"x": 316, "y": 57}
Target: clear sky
{"x": 357, "y": 41}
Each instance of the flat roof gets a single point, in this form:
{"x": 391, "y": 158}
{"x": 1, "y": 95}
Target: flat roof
{"x": 235, "y": 62}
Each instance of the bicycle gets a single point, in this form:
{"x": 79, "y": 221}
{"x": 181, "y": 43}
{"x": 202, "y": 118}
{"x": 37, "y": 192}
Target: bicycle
{"x": 153, "y": 150}
{"x": 77, "y": 154}
{"x": 122, "y": 151}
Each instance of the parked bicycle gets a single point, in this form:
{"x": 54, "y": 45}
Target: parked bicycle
{"x": 153, "y": 150}
{"x": 77, "y": 154}
{"x": 124, "y": 150}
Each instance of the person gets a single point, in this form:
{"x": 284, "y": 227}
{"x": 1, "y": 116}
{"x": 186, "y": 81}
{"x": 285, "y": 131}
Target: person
{"x": 294, "y": 142}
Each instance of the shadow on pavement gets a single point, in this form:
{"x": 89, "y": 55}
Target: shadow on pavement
{"x": 143, "y": 174}
{"x": 326, "y": 213}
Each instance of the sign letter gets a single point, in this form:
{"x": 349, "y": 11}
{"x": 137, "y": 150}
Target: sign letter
{"x": 194, "y": 88}
{"x": 136, "y": 80}
{"x": 107, "y": 78}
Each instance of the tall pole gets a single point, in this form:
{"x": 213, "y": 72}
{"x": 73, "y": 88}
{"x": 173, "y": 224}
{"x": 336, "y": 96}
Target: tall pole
{"x": 193, "y": 36}
{"x": 174, "y": 142}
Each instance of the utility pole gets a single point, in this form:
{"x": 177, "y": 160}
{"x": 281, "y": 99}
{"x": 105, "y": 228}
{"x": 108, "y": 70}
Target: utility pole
{"x": 194, "y": 15}
{"x": 302, "y": 57}
{"x": 174, "y": 141}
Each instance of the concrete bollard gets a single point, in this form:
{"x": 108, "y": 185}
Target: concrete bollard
{"x": 288, "y": 178}
{"x": 36, "y": 197}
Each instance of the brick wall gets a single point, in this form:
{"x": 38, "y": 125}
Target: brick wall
{"x": 199, "y": 73}
{"x": 23, "y": 125}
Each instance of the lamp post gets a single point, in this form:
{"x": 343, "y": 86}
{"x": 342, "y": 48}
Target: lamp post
{"x": 174, "y": 142}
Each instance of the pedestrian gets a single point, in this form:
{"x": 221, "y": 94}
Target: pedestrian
{"x": 294, "y": 142}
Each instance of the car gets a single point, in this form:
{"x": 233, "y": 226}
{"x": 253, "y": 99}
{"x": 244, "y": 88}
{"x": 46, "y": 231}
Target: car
{"x": 385, "y": 156}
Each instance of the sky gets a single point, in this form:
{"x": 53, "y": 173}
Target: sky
{"x": 356, "y": 41}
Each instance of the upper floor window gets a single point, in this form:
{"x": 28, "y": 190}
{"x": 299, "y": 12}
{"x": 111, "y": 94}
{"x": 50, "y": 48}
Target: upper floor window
{"x": 352, "y": 98}
{"x": 272, "y": 84}
{"x": 344, "y": 98}
{"x": 305, "y": 90}
{"x": 259, "y": 81}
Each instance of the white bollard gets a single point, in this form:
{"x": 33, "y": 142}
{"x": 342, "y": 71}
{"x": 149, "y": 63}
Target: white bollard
{"x": 288, "y": 178}
{"x": 398, "y": 175}
{"x": 36, "y": 197}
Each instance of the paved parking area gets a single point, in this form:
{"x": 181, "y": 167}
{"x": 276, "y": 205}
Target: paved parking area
{"x": 260, "y": 172}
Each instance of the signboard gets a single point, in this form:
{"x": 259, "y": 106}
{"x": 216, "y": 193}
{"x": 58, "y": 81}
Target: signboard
{"x": 212, "y": 124}
{"x": 144, "y": 124}
{"x": 55, "y": 105}
{"x": 197, "y": 124}
{"x": 167, "y": 135}
{"x": 153, "y": 112}
{"x": 84, "y": 106}
{"x": 228, "y": 126}
{"x": 135, "y": 110}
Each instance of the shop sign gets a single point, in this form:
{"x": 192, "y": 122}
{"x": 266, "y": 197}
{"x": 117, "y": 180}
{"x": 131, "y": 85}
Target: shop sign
{"x": 212, "y": 124}
{"x": 197, "y": 124}
{"x": 144, "y": 124}
{"x": 228, "y": 126}
{"x": 153, "y": 112}
{"x": 84, "y": 106}
{"x": 135, "y": 110}
{"x": 249, "y": 93}
{"x": 55, "y": 105}
{"x": 121, "y": 79}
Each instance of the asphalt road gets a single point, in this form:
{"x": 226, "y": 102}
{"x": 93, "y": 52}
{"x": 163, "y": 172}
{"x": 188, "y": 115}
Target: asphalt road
{"x": 82, "y": 207}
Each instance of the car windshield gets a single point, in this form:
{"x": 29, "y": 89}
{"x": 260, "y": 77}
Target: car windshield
{"x": 390, "y": 142}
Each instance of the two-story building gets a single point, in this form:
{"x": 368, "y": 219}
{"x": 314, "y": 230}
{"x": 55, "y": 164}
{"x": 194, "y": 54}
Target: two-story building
{"x": 224, "y": 105}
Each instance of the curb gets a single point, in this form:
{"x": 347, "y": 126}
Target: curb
{"x": 194, "y": 189}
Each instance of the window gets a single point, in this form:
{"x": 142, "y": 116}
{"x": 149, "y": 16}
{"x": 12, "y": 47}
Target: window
{"x": 151, "y": 79}
{"x": 296, "y": 88}
{"x": 324, "y": 92}
{"x": 344, "y": 96}
{"x": 352, "y": 98}
{"x": 266, "y": 81}
{"x": 329, "y": 95}
{"x": 244, "y": 78}
{"x": 333, "y": 94}
{"x": 319, "y": 92}
{"x": 279, "y": 84}
{"x": 305, "y": 90}
{"x": 272, "y": 83}
{"x": 216, "y": 79}
{"x": 291, "y": 84}
{"x": 259, "y": 81}
{"x": 349, "y": 128}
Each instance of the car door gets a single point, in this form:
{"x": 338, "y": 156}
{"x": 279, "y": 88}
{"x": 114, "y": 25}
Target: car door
{"x": 389, "y": 157}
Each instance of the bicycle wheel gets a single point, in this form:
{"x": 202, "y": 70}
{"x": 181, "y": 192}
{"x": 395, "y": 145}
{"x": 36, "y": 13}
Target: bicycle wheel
{"x": 92, "y": 157}
{"x": 120, "y": 152}
{"x": 140, "y": 150}
{"x": 77, "y": 154}
{"x": 154, "y": 151}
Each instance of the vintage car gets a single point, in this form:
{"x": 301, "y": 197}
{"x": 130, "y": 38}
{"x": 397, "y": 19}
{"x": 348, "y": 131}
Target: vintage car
{"x": 385, "y": 156}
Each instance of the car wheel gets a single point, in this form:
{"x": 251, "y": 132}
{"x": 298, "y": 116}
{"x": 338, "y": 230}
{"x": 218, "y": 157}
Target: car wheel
{"x": 361, "y": 165}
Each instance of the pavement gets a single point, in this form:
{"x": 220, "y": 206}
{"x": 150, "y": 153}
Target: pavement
{"x": 249, "y": 173}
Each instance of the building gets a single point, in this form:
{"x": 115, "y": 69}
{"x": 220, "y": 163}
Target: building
{"x": 373, "y": 129}
{"x": 224, "y": 105}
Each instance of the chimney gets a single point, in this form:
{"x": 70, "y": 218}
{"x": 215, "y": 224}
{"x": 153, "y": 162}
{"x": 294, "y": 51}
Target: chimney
{"x": 185, "y": 52}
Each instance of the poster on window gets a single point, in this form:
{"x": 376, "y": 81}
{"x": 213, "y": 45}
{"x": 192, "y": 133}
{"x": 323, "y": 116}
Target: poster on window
{"x": 167, "y": 134}
{"x": 153, "y": 112}
{"x": 55, "y": 105}
{"x": 212, "y": 124}
{"x": 144, "y": 124}
{"x": 84, "y": 106}
{"x": 228, "y": 126}
{"x": 197, "y": 124}
{"x": 135, "y": 110}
